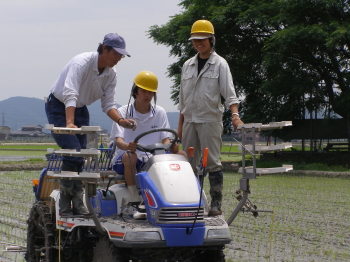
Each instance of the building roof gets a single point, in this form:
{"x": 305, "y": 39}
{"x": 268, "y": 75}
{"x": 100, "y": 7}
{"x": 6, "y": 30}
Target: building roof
{"x": 27, "y": 133}
{"x": 39, "y": 126}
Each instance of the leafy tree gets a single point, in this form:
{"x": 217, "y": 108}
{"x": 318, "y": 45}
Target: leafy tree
{"x": 285, "y": 55}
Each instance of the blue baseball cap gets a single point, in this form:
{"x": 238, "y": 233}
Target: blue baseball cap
{"x": 117, "y": 42}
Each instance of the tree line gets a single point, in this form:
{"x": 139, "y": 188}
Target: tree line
{"x": 288, "y": 58}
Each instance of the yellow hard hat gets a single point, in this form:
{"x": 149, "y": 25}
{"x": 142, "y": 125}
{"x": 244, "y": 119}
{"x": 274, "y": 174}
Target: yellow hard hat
{"x": 202, "y": 26}
{"x": 146, "y": 80}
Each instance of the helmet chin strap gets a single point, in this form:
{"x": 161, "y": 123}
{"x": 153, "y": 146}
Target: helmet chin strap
{"x": 213, "y": 42}
{"x": 131, "y": 93}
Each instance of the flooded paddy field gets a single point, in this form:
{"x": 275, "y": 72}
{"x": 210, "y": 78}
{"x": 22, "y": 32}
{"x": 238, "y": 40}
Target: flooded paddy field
{"x": 310, "y": 219}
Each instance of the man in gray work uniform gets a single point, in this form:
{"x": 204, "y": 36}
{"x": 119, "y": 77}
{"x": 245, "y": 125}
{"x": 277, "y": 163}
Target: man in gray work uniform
{"x": 205, "y": 78}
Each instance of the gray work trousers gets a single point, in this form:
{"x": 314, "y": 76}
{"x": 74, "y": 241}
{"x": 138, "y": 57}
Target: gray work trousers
{"x": 200, "y": 136}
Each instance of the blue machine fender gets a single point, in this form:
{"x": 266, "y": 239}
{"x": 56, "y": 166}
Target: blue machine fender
{"x": 37, "y": 189}
{"x": 176, "y": 237}
{"x": 104, "y": 205}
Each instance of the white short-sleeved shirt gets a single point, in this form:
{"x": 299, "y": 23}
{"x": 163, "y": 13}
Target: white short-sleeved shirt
{"x": 80, "y": 83}
{"x": 155, "y": 118}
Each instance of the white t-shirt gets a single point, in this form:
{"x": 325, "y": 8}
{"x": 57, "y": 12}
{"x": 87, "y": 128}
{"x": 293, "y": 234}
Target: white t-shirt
{"x": 80, "y": 83}
{"x": 155, "y": 118}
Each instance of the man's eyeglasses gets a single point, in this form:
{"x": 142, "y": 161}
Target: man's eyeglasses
{"x": 118, "y": 54}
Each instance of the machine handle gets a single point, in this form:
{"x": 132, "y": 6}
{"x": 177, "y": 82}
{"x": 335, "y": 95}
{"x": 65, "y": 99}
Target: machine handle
{"x": 190, "y": 151}
{"x": 205, "y": 157}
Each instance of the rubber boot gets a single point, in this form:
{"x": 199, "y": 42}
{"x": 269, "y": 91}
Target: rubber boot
{"x": 65, "y": 202}
{"x": 78, "y": 205}
{"x": 65, "y": 193}
{"x": 216, "y": 185}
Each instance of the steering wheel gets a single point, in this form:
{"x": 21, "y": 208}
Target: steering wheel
{"x": 157, "y": 146}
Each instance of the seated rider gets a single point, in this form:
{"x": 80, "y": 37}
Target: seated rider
{"x": 147, "y": 116}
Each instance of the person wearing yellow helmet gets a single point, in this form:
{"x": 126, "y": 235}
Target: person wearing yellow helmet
{"x": 204, "y": 79}
{"x": 147, "y": 117}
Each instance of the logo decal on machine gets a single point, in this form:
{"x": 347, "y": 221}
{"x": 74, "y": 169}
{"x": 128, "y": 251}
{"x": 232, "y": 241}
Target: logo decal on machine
{"x": 186, "y": 214}
{"x": 119, "y": 235}
{"x": 175, "y": 167}
{"x": 65, "y": 224}
{"x": 154, "y": 213}
{"x": 151, "y": 201}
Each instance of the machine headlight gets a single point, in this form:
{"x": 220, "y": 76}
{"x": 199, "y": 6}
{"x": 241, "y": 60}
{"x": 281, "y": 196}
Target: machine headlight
{"x": 142, "y": 236}
{"x": 219, "y": 233}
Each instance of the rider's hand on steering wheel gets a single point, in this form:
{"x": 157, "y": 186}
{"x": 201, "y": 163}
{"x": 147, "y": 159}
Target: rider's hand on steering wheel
{"x": 132, "y": 147}
{"x": 174, "y": 148}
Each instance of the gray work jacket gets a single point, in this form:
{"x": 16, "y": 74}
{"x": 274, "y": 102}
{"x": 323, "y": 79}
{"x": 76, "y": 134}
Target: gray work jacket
{"x": 200, "y": 96}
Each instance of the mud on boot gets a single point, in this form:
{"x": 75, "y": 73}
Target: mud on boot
{"x": 78, "y": 205}
{"x": 216, "y": 187}
{"x": 65, "y": 203}
{"x": 214, "y": 211}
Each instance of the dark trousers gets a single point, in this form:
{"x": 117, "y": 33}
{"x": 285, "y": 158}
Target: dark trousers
{"x": 56, "y": 115}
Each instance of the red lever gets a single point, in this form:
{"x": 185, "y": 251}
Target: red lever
{"x": 205, "y": 157}
{"x": 190, "y": 151}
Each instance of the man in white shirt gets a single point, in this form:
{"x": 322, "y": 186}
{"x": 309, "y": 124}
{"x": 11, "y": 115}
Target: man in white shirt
{"x": 87, "y": 78}
{"x": 147, "y": 117}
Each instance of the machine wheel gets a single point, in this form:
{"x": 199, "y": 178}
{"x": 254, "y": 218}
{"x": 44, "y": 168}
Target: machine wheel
{"x": 106, "y": 251}
{"x": 211, "y": 256}
{"x": 40, "y": 235}
{"x": 78, "y": 247}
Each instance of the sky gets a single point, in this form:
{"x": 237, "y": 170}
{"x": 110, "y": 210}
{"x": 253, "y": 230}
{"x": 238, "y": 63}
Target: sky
{"x": 39, "y": 37}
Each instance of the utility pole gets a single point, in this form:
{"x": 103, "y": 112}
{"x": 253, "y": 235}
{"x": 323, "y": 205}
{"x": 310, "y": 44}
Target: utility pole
{"x": 3, "y": 119}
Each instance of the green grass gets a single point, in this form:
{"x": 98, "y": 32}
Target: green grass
{"x": 22, "y": 153}
{"x": 36, "y": 150}
{"x": 25, "y": 146}
{"x": 29, "y": 161}
{"x": 226, "y": 148}
{"x": 234, "y": 157}
{"x": 299, "y": 166}
{"x": 320, "y": 167}
{"x": 317, "y": 166}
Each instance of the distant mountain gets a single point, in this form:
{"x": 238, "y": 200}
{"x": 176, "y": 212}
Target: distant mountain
{"x": 19, "y": 111}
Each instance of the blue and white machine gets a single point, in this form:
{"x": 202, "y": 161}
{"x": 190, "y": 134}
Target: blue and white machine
{"x": 177, "y": 227}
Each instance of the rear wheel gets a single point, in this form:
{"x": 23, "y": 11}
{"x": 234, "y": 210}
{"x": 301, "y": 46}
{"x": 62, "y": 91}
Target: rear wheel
{"x": 106, "y": 251}
{"x": 78, "y": 246}
{"x": 41, "y": 235}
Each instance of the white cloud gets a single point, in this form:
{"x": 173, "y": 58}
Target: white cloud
{"x": 39, "y": 37}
